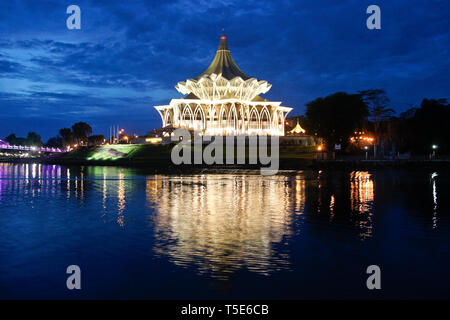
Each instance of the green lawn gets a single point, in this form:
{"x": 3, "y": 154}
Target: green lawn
{"x": 155, "y": 154}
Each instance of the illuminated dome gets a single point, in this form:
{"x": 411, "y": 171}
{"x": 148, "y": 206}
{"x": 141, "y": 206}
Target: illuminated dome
{"x": 223, "y": 79}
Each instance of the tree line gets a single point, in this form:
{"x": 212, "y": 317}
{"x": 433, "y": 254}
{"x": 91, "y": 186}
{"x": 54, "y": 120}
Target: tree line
{"x": 336, "y": 117}
{"x": 79, "y": 134}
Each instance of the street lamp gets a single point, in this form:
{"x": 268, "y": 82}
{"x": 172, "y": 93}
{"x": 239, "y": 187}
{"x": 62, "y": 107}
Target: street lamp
{"x": 320, "y": 149}
{"x": 434, "y": 147}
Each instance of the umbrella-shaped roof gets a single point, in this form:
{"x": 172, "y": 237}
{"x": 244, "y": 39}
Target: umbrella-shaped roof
{"x": 224, "y": 64}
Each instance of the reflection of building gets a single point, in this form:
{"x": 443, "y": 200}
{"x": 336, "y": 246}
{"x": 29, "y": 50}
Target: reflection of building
{"x": 224, "y": 101}
{"x": 223, "y": 223}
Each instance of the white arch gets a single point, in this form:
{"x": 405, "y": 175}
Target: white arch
{"x": 211, "y": 118}
{"x": 265, "y": 124}
{"x": 168, "y": 118}
{"x": 252, "y": 124}
{"x": 199, "y": 110}
{"x": 185, "y": 122}
{"x": 222, "y": 112}
{"x": 232, "y": 117}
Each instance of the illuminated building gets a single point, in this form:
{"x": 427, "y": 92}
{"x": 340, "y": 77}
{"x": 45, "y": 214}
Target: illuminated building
{"x": 297, "y": 129}
{"x": 298, "y": 136}
{"x": 223, "y": 100}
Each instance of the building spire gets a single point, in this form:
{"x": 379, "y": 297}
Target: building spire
{"x": 223, "y": 45}
{"x": 223, "y": 63}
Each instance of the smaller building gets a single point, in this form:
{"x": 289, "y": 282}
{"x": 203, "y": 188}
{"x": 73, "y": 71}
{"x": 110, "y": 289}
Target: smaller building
{"x": 298, "y": 136}
{"x": 297, "y": 130}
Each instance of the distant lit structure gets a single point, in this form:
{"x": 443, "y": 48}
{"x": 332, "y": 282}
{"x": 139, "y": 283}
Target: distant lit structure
{"x": 224, "y": 101}
{"x": 297, "y": 135}
{"x": 297, "y": 130}
{"x": 6, "y": 146}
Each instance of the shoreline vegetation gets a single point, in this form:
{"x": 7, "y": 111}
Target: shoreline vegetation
{"x": 158, "y": 159}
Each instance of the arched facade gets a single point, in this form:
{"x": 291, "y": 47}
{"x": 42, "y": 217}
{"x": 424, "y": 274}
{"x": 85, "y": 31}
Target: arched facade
{"x": 225, "y": 117}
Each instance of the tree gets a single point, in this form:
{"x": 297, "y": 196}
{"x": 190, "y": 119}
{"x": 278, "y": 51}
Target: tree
{"x": 96, "y": 140}
{"x": 377, "y": 102}
{"x": 11, "y": 139}
{"x": 55, "y": 142}
{"x": 15, "y": 141}
{"x": 33, "y": 140}
{"x": 336, "y": 116}
{"x": 428, "y": 126}
{"x": 81, "y": 132}
{"x": 67, "y": 136}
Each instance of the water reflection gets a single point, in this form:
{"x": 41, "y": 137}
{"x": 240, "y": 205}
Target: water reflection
{"x": 222, "y": 223}
{"x": 362, "y": 201}
{"x": 217, "y": 223}
{"x": 121, "y": 198}
{"x": 38, "y": 179}
{"x": 434, "y": 177}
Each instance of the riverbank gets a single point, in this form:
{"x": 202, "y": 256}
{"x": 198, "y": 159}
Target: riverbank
{"x": 157, "y": 158}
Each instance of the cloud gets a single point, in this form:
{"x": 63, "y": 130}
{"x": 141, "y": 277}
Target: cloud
{"x": 129, "y": 55}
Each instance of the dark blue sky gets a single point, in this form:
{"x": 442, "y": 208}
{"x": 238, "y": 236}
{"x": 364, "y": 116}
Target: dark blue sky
{"x": 129, "y": 55}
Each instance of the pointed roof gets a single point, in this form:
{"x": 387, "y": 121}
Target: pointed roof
{"x": 224, "y": 64}
{"x": 297, "y": 129}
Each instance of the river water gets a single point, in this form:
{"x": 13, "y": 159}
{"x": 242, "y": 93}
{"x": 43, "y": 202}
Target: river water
{"x": 296, "y": 235}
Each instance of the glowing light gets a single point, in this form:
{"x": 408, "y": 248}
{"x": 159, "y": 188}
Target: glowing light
{"x": 320, "y": 147}
{"x": 112, "y": 152}
{"x": 153, "y": 140}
